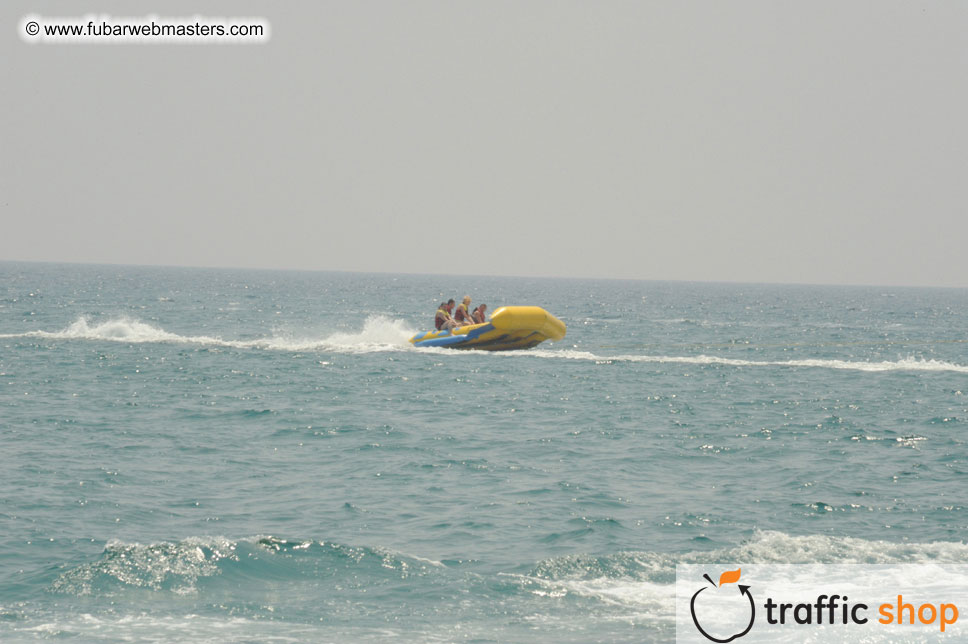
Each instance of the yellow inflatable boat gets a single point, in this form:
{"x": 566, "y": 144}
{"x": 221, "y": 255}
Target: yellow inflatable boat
{"x": 510, "y": 327}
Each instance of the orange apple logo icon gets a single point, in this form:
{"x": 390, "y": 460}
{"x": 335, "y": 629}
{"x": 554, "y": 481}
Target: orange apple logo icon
{"x": 725, "y": 600}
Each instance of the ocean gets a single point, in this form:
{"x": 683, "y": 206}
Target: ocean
{"x": 207, "y": 455}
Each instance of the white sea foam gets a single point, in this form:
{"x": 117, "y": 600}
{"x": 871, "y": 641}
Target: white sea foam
{"x": 903, "y": 364}
{"x": 770, "y": 546}
{"x": 149, "y": 627}
{"x": 378, "y": 333}
{"x": 638, "y": 600}
{"x": 123, "y": 329}
{"x": 644, "y": 582}
{"x": 381, "y": 333}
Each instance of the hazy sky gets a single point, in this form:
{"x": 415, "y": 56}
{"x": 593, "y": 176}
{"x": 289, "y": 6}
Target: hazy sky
{"x": 821, "y": 142}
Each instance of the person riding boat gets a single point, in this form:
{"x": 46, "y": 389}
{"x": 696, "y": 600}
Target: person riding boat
{"x": 443, "y": 320}
{"x": 463, "y": 314}
{"x": 479, "y": 314}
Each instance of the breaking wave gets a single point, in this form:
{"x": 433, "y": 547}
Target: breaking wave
{"x": 640, "y": 581}
{"x": 645, "y": 581}
{"x": 178, "y": 567}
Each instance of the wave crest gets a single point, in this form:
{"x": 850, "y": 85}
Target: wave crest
{"x": 164, "y": 566}
{"x": 646, "y": 580}
{"x": 764, "y": 547}
{"x": 177, "y": 567}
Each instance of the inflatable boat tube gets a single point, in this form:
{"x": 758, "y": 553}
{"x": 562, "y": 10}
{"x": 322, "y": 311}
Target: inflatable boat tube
{"x": 510, "y": 327}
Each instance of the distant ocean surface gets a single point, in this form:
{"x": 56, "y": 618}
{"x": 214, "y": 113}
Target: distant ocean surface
{"x": 253, "y": 456}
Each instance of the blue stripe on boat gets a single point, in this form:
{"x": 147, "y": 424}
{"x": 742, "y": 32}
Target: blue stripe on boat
{"x": 447, "y": 339}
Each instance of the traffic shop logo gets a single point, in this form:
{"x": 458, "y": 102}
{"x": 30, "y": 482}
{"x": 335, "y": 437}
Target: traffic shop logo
{"x": 737, "y": 599}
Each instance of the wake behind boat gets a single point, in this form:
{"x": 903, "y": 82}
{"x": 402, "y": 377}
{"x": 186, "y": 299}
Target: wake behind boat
{"x": 510, "y": 327}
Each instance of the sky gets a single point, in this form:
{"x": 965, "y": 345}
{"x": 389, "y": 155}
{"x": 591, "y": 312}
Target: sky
{"x": 788, "y": 142}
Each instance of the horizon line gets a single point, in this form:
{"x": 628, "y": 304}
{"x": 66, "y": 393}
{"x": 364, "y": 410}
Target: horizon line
{"x": 487, "y": 275}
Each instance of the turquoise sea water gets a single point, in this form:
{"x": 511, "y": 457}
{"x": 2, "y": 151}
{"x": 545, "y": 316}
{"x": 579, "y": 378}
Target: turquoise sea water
{"x": 217, "y": 455}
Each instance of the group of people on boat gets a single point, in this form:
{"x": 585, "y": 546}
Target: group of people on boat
{"x": 447, "y": 319}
